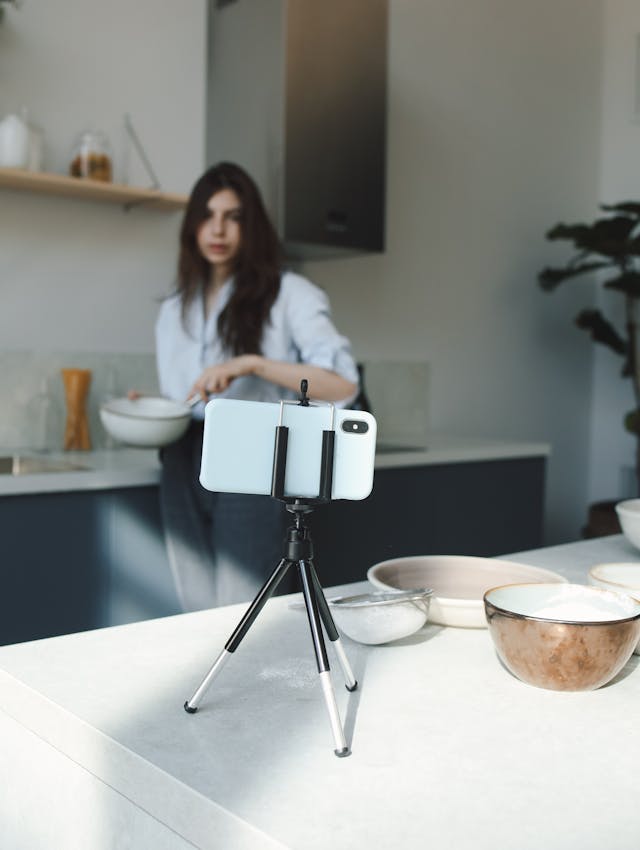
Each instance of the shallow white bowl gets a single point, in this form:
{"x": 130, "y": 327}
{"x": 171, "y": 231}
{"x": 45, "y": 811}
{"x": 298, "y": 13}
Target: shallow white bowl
{"x": 148, "y": 421}
{"x": 382, "y": 616}
{"x": 459, "y": 582}
{"x": 621, "y": 577}
{"x": 629, "y": 517}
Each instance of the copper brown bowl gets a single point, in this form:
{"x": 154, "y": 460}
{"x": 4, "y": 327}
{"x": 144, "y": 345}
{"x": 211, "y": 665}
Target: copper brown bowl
{"x": 564, "y": 637}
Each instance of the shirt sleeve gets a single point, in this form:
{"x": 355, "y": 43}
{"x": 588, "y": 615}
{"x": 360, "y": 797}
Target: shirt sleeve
{"x": 313, "y": 332}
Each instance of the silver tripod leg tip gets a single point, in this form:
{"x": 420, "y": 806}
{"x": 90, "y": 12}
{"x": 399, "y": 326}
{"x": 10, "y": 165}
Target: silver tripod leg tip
{"x": 341, "y": 748}
{"x": 191, "y": 705}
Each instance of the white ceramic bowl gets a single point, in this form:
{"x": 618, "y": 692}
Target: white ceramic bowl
{"x": 567, "y": 637}
{"x": 382, "y": 616}
{"x": 148, "y": 421}
{"x": 629, "y": 516}
{"x": 459, "y": 582}
{"x": 621, "y": 577}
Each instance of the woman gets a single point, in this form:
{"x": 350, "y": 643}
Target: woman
{"x": 238, "y": 327}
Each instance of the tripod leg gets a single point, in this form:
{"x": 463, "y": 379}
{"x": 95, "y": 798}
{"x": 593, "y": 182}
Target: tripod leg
{"x": 350, "y": 682}
{"x": 265, "y": 592}
{"x": 308, "y": 590}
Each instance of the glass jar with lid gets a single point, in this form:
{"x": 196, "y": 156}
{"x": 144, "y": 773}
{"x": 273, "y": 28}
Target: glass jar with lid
{"x": 91, "y": 157}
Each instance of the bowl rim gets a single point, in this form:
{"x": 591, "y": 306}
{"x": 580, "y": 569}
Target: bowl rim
{"x": 381, "y": 597}
{"x": 593, "y": 571}
{"x": 105, "y": 407}
{"x": 624, "y": 507}
{"x": 464, "y": 602}
{"x": 563, "y": 620}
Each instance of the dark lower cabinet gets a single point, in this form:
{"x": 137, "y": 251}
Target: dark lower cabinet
{"x": 81, "y": 560}
{"x": 85, "y": 560}
{"x": 478, "y": 508}
{"x": 52, "y": 583}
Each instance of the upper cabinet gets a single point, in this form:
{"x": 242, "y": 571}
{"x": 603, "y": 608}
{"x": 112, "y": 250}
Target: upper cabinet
{"x": 90, "y": 190}
{"x": 297, "y": 95}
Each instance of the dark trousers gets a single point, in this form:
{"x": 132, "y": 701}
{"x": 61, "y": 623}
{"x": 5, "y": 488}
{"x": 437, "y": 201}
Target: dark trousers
{"x": 221, "y": 546}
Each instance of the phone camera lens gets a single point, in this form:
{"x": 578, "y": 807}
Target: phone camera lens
{"x": 355, "y": 426}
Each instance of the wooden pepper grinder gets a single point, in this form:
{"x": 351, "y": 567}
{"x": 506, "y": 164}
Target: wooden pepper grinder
{"x": 76, "y": 388}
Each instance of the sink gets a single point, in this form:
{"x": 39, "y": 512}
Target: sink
{"x": 29, "y": 465}
{"x": 391, "y": 448}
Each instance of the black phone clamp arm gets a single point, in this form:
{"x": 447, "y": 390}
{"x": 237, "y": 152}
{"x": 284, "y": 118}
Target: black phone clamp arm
{"x": 280, "y": 455}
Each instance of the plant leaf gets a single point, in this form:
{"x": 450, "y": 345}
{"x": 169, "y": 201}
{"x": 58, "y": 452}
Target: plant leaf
{"x": 627, "y": 282}
{"x": 634, "y": 246}
{"x": 550, "y": 278}
{"x": 607, "y": 236}
{"x": 601, "y": 330}
{"x": 577, "y": 233}
{"x": 632, "y": 422}
{"x": 629, "y": 207}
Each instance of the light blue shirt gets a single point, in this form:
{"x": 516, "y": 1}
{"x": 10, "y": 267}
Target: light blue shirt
{"x": 299, "y": 330}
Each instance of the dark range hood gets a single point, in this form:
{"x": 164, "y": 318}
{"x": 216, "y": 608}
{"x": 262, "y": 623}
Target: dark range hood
{"x": 297, "y": 96}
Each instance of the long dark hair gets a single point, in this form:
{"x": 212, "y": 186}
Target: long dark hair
{"x": 258, "y": 266}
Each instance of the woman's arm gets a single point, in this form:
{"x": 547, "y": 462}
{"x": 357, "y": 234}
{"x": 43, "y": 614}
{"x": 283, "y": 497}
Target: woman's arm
{"x": 324, "y": 385}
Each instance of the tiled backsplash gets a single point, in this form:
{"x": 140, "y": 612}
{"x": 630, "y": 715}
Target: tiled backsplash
{"x": 32, "y": 405}
{"x": 33, "y": 411}
{"x": 399, "y": 396}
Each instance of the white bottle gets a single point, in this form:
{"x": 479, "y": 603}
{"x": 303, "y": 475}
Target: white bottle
{"x": 36, "y": 143}
{"x": 110, "y": 392}
{"x": 44, "y": 419}
{"x": 14, "y": 142}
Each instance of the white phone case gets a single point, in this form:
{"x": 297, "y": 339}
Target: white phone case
{"x": 239, "y": 440}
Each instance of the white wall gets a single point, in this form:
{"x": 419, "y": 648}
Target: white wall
{"x": 612, "y": 451}
{"x": 493, "y": 137}
{"x": 86, "y": 276}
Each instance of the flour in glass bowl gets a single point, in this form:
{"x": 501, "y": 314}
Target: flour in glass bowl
{"x": 588, "y": 607}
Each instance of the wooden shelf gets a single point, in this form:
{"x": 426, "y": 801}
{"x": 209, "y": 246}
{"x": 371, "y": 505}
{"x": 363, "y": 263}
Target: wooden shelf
{"x": 89, "y": 190}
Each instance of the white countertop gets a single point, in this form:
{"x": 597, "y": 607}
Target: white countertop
{"x": 129, "y": 467}
{"x": 449, "y": 750}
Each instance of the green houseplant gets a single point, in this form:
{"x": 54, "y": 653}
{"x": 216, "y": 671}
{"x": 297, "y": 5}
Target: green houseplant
{"x": 610, "y": 244}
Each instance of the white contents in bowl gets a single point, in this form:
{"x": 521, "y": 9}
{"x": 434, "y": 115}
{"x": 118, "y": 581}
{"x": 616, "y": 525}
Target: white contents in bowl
{"x": 591, "y": 608}
{"x": 567, "y": 603}
{"x": 381, "y": 616}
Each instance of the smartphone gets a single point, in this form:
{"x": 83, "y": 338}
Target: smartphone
{"x": 239, "y": 440}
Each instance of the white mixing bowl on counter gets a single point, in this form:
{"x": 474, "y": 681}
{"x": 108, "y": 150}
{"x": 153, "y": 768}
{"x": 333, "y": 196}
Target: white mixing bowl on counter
{"x": 147, "y": 421}
{"x": 628, "y": 513}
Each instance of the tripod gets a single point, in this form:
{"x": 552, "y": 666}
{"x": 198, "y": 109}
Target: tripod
{"x": 298, "y": 551}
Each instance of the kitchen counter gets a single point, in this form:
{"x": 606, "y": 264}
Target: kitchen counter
{"x": 128, "y": 467}
{"x": 448, "y": 748}
{"x": 104, "y": 470}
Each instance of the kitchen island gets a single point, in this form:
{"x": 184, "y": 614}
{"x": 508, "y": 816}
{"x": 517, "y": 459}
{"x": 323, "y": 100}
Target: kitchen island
{"x": 449, "y": 750}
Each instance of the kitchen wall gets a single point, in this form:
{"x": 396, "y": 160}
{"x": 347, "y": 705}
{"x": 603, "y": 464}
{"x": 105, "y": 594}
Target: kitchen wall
{"x": 493, "y": 137}
{"x": 494, "y": 134}
{"x": 87, "y": 276}
{"x": 612, "y": 450}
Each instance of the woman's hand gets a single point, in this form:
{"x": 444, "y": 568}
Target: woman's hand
{"x": 216, "y": 379}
